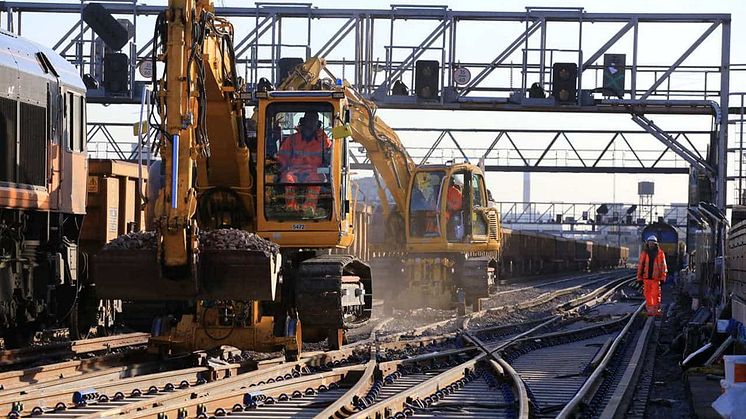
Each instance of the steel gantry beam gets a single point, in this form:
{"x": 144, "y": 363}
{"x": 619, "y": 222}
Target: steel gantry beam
{"x": 531, "y": 41}
{"x": 590, "y": 214}
{"x": 540, "y": 150}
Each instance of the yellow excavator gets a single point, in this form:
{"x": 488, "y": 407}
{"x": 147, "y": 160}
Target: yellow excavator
{"x": 440, "y": 245}
{"x": 228, "y": 238}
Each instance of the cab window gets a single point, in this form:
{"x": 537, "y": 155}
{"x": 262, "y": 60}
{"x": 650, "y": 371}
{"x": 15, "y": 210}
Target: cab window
{"x": 298, "y": 162}
{"x": 479, "y": 224}
{"x": 456, "y": 208}
{"x": 75, "y": 114}
{"x": 424, "y": 208}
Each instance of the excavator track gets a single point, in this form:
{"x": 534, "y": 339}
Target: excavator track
{"x": 333, "y": 292}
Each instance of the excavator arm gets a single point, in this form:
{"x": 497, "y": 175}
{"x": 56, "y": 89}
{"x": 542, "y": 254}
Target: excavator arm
{"x": 200, "y": 85}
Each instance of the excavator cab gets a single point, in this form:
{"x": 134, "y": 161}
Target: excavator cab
{"x": 448, "y": 210}
{"x": 303, "y": 193}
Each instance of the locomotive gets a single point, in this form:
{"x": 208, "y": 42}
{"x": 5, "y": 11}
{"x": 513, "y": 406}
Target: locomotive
{"x": 43, "y": 173}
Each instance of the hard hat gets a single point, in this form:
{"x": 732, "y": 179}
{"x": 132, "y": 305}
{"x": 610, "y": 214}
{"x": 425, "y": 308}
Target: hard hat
{"x": 652, "y": 238}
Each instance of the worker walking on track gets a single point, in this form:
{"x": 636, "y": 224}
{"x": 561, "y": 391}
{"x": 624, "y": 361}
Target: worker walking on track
{"x": 652, "y": 271}
{"x": 301, "y": 156}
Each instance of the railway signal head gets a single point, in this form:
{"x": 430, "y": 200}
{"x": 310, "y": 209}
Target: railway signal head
{"x": 565, "y": 81}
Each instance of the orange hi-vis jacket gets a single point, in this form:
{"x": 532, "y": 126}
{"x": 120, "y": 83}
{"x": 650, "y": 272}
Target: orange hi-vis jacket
{"x": 660, "y": 270}
{"x": 454, "y": 201}
{"x": 297, "y": 154}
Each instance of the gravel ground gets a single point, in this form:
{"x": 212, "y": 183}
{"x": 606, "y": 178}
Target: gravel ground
{"x": 418, "y": 318}
{"x": 404, "y": 321}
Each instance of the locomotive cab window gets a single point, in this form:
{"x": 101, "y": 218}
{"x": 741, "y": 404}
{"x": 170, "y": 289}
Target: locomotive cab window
{"x": 298, "y": 162}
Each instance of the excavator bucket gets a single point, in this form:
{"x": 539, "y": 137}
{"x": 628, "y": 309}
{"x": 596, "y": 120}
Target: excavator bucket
{"x": 130, "y": 274}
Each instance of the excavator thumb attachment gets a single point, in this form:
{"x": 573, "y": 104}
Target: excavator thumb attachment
{"x": 130, "y": 274}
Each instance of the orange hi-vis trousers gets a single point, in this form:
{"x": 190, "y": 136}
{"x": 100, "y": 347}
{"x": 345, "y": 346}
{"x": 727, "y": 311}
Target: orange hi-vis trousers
{"x": 312, "y": 191}
{"x": 652, "y": 291}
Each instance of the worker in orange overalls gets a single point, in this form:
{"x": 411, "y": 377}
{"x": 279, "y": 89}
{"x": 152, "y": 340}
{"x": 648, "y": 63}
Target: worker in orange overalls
{"x": 454, "y": 205}
{"x": 301, "y": 156}
{"x": 652, "y": 271}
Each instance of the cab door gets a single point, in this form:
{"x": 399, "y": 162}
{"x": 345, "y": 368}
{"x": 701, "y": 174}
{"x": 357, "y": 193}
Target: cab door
{"x": 478, "y": 202}
{"x": 74, "y": 160}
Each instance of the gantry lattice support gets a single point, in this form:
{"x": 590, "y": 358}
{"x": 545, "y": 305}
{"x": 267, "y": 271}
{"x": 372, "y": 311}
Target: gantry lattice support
{"x": 373, "y": 48}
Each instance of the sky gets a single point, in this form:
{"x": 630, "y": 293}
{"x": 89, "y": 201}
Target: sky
{"x": 658, "y": 45}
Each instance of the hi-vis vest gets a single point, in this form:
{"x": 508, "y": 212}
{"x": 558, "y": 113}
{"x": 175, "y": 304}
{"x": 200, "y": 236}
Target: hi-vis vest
{"x": 298, "y": 154}
{"x": 659, "y": 266}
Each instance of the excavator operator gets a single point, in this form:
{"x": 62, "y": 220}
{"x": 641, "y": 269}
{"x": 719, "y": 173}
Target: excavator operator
{"x": 301, "y": 157}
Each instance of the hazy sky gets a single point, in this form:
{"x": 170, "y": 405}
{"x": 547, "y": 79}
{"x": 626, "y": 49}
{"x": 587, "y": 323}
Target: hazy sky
{"x": 661, "y": 46}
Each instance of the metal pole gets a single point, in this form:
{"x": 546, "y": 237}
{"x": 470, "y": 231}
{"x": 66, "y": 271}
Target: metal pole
{"x": 722, "y": 151}
{"x": 633, "y": 88}
{"x": 542, "y": 50}
{"x": 740, "y": 156}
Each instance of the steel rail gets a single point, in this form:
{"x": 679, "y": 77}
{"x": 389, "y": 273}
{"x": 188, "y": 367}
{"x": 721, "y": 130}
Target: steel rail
{"x": 404, "y": 402}
{"x": 76, "y": 347}
{"x": 620, "y": 399}
{"x": 539, "y": 300}
{"x": 63, "y": 396}
{"x": 591, "y": 384}
{"x": 217, "y": 401}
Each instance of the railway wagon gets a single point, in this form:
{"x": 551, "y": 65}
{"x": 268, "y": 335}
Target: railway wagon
{"x": 606, "y": 256}
{"x": 583, "y": 254}
{"x": 564, "y": 254}
{"x": 526, "y": 253}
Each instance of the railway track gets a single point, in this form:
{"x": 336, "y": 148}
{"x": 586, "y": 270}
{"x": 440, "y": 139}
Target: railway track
{"x": 465, "y": 372}
{"x": 14, "y": 357}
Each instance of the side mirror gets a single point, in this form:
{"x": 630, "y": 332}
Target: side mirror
{"x": 341, "y": 131}
{"x": 347, "y": 116}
